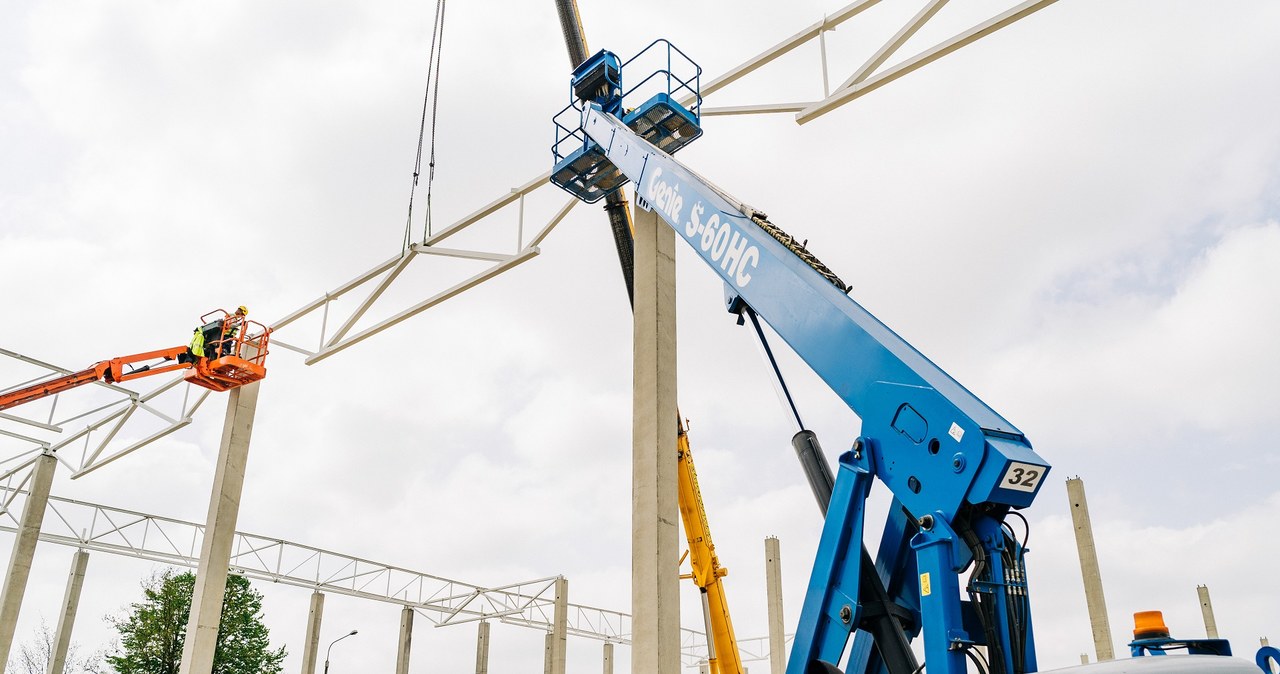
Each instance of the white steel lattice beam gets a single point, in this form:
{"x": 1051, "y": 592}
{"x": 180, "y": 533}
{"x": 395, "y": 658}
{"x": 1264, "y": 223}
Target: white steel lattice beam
{"x": 443, "y": 601}
{"x": 107, "y": 421}
{"x": 868, "y": 77}
{"x": 112, "y": 408}
{"x": 856, "y": 90}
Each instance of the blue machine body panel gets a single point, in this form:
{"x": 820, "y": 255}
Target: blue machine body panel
{"x": 1162, "y": 645}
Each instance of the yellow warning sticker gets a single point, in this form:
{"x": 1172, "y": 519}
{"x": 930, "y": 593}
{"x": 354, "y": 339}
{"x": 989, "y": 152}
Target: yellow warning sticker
{"x": 925, "y": 587}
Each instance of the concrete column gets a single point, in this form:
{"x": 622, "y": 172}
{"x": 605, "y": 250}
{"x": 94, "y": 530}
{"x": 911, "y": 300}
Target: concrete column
{"x": 655, "y": 600}
{"x": 560, "y": 627}
{"x": 311, "y": 644}
{"x": 546, "y": 653}
{"x": 482, "y": 648}
{"x": 773, "y": 592}
{"x": 406, "y": 640}
{"x": 24, "y": 549}
{"x": 219, "y": 531}
{"x": 1094, "y": 599}
{"x": 67, "y": 618}
{"x": 704, "y": 667}
{"x": 1206, "y": 610}
{"x": 608, "y": 657}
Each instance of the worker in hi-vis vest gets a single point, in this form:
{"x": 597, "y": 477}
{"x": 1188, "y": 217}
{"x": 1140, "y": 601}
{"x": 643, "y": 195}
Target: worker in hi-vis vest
{"x": 216, "y": 338}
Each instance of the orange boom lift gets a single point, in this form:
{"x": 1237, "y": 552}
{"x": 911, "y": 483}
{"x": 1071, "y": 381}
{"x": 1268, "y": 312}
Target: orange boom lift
{"x": 235, "y": 349}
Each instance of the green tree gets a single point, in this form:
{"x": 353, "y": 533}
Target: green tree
{"x": 152, "y": 634}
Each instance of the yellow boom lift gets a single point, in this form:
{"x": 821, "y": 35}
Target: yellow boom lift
{"x": 722, "y": 648}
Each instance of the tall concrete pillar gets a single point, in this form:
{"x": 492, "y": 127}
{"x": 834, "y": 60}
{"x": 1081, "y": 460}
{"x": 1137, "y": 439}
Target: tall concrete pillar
{"x": 608, "y": 657}
{"x": 773, "y": 593}
{"x": 560, "y": 627}
{"x": 655, "y": 556}
{"x": 219, "y": 531}
{"x": 67, "y": 617}
{"x": 546, "y": 653}
{"x": 311, "y": 644}
{"x": 482, "y": 648}
{"x": 1093, "y": 597}
{"x": 1206, "y": 610}
{"x": 406, "y": 640}
{"x": 24, "y": 549}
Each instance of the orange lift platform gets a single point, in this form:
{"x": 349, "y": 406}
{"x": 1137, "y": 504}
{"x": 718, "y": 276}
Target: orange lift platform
{"x": 232, "y": 353}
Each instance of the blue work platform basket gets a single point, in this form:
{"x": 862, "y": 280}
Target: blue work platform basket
{"x": 581, "y": 167}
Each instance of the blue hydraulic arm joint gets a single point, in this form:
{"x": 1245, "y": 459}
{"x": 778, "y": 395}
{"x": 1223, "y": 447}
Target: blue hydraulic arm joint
{"x": 957, "y": 469}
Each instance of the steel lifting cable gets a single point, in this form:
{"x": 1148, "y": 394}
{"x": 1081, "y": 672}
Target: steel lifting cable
{"x": 430, "y": 101}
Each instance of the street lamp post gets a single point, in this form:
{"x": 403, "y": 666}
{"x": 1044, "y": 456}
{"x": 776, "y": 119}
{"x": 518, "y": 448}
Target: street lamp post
{"x": 352, "y": 633}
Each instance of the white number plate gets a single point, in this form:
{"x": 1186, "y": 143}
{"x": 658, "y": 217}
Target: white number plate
{"x": 1022, "y": 477}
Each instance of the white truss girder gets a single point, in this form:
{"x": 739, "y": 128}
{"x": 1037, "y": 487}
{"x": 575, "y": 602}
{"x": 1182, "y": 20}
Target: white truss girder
{"x": 171, "y": 403}
{"x": 869, "y": 76}
{"x": 373, "y": 284}
{"x": 440, "y": 600}
{"x": 443, "y": 601}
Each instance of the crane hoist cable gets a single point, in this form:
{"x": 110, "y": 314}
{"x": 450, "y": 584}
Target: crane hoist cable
{"x": 430, "y": 101}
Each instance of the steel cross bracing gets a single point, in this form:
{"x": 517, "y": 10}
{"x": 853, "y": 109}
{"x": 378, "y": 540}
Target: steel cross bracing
{"x": 872, "y": 74}
{"x": 170, "y": 541}
{"x": 23, "y": 433}
{"x": 443, "y": 601}
{"x": 37, "y": 427}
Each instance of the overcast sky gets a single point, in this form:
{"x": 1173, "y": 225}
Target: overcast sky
{"x": 1078, "y": 218}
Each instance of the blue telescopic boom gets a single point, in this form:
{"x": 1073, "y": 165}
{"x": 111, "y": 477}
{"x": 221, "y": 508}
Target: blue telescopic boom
{"x": 954, "y": 465}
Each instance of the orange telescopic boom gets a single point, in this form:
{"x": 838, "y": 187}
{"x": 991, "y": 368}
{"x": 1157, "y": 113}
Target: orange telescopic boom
{"x": 232, "y": 357}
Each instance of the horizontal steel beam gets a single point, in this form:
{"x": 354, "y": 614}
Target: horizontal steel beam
{"x": 847, "y": 94}
{"x": 512, "y": 261}
{"x": 444, "y": 601}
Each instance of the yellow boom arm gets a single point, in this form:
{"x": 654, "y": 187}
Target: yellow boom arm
{"x": 707, "y": 572}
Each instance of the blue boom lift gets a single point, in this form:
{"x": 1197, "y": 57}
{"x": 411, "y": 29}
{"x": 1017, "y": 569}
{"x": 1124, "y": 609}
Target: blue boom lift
{"x": 958, "y": 470}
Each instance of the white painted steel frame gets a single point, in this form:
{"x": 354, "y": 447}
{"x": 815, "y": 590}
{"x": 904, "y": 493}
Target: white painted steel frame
{"x": 103, "y": 423}
{"x": 376, "y": 281}
{"x": 868, "y": 77}
{"x": 443, "y": 601}
{"x": 506, "y": 603}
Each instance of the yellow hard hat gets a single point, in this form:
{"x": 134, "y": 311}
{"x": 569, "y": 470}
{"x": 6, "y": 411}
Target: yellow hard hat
{"x": 243, "y": 310}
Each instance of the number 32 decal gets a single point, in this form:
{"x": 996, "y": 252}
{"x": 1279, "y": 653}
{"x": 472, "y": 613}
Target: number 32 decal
{"x": 1022, "y": 477}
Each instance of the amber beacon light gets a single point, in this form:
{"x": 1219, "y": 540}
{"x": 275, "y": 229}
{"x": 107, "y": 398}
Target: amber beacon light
{"x": 1149, "y": 625}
